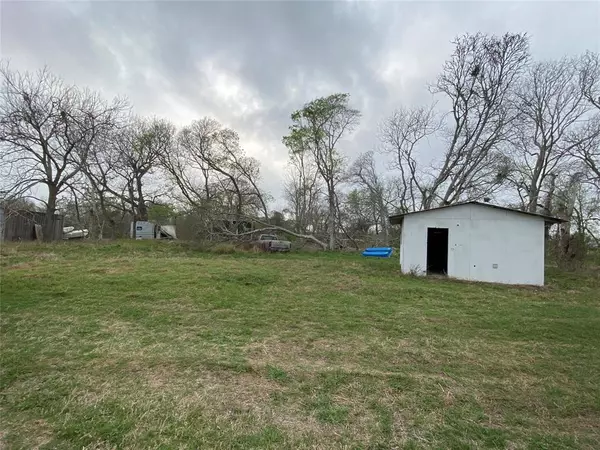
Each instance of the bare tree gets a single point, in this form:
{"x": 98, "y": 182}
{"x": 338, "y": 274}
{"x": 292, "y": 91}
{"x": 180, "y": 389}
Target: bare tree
{"x": 234, "y": 164}
{"x": 317, "y": 128}
{"x": 214, "y": 176}
{"x": 303, "y": 191}
{"x": 186, "y": 163}
{"x": 106, "y": 208}
{"x": 378, "y": 192}
{"x": 584, "y": 145}
{"x": 578, "y": 203}
{"x": 400, "y": 134}
{"x": 120, "y": 170}
{"x": 478, "y": 81}
{"x": 46, "y": 131}
{"x": 586, "y": 213}
{"x": 552, "y": 105}
{"x": 357, "y": 215}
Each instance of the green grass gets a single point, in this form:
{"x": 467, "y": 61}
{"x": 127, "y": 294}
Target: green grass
{"x": 156, "y": 345}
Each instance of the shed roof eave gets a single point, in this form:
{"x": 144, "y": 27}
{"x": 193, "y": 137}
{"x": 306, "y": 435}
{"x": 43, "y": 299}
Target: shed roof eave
{"x": 398, "y": 218}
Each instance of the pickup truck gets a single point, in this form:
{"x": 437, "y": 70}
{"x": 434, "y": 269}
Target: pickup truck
{"x": 271, "y": 243}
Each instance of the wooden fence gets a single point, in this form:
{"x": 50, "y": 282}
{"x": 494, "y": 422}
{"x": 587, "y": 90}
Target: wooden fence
{"x": 18, "y": 225}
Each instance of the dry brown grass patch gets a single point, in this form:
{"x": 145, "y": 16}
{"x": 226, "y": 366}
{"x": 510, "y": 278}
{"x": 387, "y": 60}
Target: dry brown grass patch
{"x": 29, "y": 265}
{"x": 294, "y": 356}
{"x": 37, "y": 434}
{"x": 46, "y": 256}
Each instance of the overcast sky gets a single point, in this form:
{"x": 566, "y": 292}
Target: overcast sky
{"x": 250, "y": 64}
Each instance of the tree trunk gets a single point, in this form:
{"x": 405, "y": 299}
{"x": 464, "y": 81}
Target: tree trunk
{"x": 141, "y": 207}
{"x": 383, "y": 214}
{"x": 550, "y": 195}
{"x": 536, "y": 181}
{"x": 532, "y": 195}
{"x": 564, "y": 233}
{"x": 48, "y": 229}
{"x": 565, "y": 228}
{"x": 142, "y": 211}
{"x": 548, "y": 206}
{"x": 134, "y": 225}
{"x": 331, "y": 218}
{"x": 385, "y": 228}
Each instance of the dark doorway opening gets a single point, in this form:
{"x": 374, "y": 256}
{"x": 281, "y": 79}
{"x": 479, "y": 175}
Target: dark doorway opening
{"x": 437, "y": 250}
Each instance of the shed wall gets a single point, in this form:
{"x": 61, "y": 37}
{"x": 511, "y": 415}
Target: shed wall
{"x": 484, "y": 244}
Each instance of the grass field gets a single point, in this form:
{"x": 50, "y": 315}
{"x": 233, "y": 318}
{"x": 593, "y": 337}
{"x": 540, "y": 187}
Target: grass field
{"x": 155, "y": 345}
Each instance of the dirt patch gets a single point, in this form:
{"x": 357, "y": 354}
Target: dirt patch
{"x": 230, "y": 392}
{"x": 41, "y": 433}
{"x": 23, "y": 266}
{"x": 245, "y": 399}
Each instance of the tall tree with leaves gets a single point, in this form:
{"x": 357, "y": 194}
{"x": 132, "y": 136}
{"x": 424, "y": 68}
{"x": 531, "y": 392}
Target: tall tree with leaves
{"x": 318, "y": 128}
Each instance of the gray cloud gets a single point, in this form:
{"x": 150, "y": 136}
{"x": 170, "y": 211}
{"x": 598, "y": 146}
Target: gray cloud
{"x": 250, "y": 64}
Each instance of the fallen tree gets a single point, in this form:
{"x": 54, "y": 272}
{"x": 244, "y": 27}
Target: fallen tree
{"x": 269, "y": 227}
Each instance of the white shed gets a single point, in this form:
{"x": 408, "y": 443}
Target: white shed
{"x": 475, "y": 241}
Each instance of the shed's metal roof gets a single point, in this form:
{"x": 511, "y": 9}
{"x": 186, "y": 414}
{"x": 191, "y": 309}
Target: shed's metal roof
{"x": 397, "y": 219}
